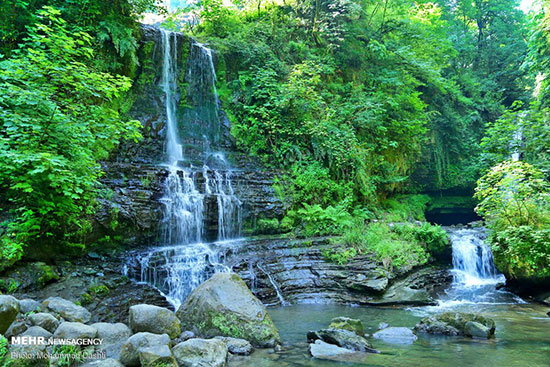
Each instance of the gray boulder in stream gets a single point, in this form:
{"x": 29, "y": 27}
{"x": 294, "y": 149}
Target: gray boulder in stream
{"x": 457, "y": 323}
{"x": 397, "y": 335}
{"x": 322, "y": 350}
{"x": 342, "y": 338}
{"x": 224, "y": 306}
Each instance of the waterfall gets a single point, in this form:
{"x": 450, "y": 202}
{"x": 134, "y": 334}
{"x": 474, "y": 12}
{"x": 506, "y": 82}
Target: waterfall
{"x": 185, "y": 260}
{"x": 177, "y": 270}
{"x": 183, "y": 203}
{"x": 473, "y": 259}
{"x": 475, "y": 277}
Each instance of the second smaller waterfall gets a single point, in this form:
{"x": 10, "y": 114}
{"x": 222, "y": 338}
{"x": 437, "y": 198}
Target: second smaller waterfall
{"x": 473, "y": 260}
{"x": 475, "y": 277}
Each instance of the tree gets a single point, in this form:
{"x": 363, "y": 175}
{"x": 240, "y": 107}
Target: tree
{"x": 56, "y": 121}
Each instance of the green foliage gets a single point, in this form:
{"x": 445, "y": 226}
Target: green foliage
{"x": 388, "y": 245}
{"x": 515, "y": 201}
{"x": 513, "y": 194}
{"x": 522, "y": 252}
{"x": 314, "y": 220}
{"x": 339, "y": 257}
{"x": 312, "y": 184}
{"x": 267, "y": 226}
{"x": 525, "y": 132}
{"x": 404, "y": 208}
{"x": 56, "y": 122}
{"x": 3, "y": 348}
{"x": 8, "y": 286}
{"x": 432, "y": 238}
{"x": 70, "y": 355}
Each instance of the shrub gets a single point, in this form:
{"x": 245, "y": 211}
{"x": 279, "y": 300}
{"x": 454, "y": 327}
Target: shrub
{"x": 388, "y": 246}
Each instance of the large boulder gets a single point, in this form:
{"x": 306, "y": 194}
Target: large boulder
{"x": 346, "y": 323}
{"x": 454, "y": 323}
{"x": 67, "y": 309}
{"x": 201, "y": 353}
{"x": 44, "y": 320}
{"x": 236, "y": 346}
{"x": 129, "y": 353}
{"x": 113, "y": 335}
{"x": 158, "y": 356}
{"x": 154, "y": 319}
{"x": 9, "y": 308}
{"x": 75, "y": 330}
{"x": 223, "y": 305}
{"x": 397, "y": 335}
{"x": 342, "y": 338}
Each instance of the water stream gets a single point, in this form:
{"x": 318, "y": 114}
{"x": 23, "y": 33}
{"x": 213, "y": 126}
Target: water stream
{"x": 185, "y": 260}
{"x": 475, "y": 278}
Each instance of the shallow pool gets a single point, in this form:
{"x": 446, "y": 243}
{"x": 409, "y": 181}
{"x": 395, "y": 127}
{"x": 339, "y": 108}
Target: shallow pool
{"x": 522, "y": 337}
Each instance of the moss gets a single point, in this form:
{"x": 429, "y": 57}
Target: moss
{"x": 85, "y": 299}
{"x": 227, "y": 325}
{"x": 100, "y": 290}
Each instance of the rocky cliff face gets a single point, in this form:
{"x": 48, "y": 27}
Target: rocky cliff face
{"x": 280, "y": 271}
{"x": 130, "y": 205}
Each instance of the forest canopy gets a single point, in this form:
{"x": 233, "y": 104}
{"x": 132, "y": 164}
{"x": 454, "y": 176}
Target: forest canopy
{"x": 357, "y": 102}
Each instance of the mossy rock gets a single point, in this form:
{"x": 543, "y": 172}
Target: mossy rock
{"x": 454, "y": 323}
{"x": 346, "y": 323}
{"x": 224, "y": 306}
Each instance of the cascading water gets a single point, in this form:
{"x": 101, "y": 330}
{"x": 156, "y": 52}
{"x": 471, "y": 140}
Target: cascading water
{"x": 475, "y": 278}
{"x": 185, "y": 261}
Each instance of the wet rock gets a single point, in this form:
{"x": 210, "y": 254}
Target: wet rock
{"x": 397, "y": 335}
{"x": 157, "y": 356}
{"x": 28, "y": 305}
{"x": 346, "y": 323}
{"x": 113, "y": 335}
{"x": 129, "y": 353}
{"x": 236, "y": 346}
{"x": 17, "y": 327}
{"x": 44, "y": 320}
{"x": 201, "y": 353}
{"x": 67, "y": 309}
{"x": 342, "y": 338}
{"x": 383, "y": 325}
{"x": 224, "y": 306}
{"x": 476, "y": 330}
{"x": 37, "y": 331}
{"x": 371, "y": 282}
{"x": 9, "y": 308}
{"x": 453, "y": 323}
{"x": 322, "y": 350}
{"x": 75, "y": 330}
{"x": 154, "y": 319}
{"x": 107, "y": 362}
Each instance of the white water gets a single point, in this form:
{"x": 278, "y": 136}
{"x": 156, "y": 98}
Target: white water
{"x": 177, "y": 270}
{"x": 186, "y": 261}
{"x": 275, "y": 287}
{"x": 183, "y": 203}
{"x": 476, "y": 281}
